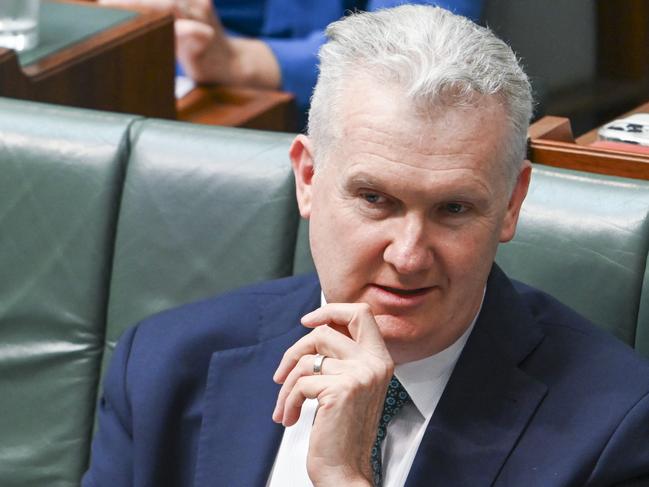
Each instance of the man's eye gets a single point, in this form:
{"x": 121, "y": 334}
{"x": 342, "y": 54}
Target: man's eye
{"x": 454, "y": 208}
{"x": 373, "y": 198}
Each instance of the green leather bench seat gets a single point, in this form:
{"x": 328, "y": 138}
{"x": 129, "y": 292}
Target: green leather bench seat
{"x": 105, "y": 219}
{"x": 584, "y": 239}
{"x": 204, "y": 210}
{"x": 60, "y": 178}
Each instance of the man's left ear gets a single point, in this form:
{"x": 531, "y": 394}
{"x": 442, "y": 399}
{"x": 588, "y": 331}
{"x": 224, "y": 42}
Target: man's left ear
{"x": 508, "y": 229}
{"x": 301, "y": 154}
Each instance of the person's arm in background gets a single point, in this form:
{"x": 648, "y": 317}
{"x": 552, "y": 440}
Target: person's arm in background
{"x": 209, "y": 55}
{"x": 205, "y": 51}
{"x": 297, "y": 58}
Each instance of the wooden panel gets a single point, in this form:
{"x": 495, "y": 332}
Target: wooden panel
{"x": 239, "y": 107}
{"x": 623, "y": 39}
{"x": 127, "y": 68}
{"x": 130, "y": 68}
{"x": 572, "y": 156}
{"x": 551, "y": 128}
{"x": 551, "y": 144}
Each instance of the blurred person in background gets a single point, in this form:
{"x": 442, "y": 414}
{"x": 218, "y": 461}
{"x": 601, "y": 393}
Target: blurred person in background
{"x": 264, "y": 43}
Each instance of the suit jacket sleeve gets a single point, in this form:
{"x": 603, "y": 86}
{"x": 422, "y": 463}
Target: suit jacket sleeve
{"x": 625, "y": 458}
{"x": 112, "y": 447}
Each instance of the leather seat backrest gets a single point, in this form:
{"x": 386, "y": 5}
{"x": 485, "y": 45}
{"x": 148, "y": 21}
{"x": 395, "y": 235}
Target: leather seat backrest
{"x": 204, "y": 210}
{"x": 61, "y": 173}
{"x": 584, "y": 238}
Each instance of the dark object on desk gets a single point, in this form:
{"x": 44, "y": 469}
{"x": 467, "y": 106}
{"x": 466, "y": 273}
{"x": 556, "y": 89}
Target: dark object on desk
{"x": 94, "y": 57}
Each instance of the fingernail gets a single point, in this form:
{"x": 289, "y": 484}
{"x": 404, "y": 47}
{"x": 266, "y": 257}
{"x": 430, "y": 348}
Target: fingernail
{"x": 278, "y": 378}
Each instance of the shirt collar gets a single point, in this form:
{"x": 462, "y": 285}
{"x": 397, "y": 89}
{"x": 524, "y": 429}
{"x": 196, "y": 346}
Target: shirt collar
{"x": 422, "y": 377}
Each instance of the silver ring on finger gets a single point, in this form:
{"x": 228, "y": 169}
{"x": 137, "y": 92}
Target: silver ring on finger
{"x": 317, "y": 364}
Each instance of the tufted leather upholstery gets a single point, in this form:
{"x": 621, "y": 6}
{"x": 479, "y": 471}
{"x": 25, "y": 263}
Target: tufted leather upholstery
{"x": 203, "y": 210}
{"x": 105, "y": 219}
{"x": 60, "y": 181}
{"x": 584, "y": 239}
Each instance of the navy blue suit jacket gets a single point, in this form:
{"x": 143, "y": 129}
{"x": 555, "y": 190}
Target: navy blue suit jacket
{"x": 539, "y": 397}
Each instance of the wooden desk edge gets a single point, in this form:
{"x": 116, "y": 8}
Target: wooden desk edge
{"x": 551, "y": 143}
{"x": 232, "y": 106}
{"x": 589, "y": 159}
{"x": 551, "y": 128}
{"x": 60, "y": 77}
{"x": 146, "y": 20}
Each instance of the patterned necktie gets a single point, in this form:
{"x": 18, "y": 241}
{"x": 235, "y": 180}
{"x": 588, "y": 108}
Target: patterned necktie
{"x": 395, "y": 398}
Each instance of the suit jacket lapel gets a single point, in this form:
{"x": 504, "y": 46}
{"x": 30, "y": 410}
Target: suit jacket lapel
{"x": 238, "y": 440}
{"x": 488, "y": 400}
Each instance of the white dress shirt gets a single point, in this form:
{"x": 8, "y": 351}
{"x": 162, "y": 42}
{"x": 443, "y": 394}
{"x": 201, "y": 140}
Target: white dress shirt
{"x": 424, "y": 380}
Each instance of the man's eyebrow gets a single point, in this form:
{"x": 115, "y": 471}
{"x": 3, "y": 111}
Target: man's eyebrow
{"x": 363, "y": 178}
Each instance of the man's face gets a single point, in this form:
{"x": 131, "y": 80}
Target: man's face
{"x": 406, "y": 214}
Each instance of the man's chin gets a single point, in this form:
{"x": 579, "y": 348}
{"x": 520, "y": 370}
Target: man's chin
{"x": 408, "y": 340}
{"x": 398, "y": 329}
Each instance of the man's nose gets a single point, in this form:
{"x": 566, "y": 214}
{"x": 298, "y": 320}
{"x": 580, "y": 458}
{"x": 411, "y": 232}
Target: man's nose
{"x": 409, "y": 250}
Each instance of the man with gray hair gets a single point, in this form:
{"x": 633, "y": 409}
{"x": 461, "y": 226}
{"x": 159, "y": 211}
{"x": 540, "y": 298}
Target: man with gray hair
{"x": 419, "y": 362}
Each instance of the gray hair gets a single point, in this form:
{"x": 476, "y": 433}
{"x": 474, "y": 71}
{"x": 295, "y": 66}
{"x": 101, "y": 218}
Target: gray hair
{"x": 440, "y": 59}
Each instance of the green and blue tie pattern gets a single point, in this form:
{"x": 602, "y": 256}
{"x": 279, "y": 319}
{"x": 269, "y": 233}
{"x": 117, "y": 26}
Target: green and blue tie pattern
{"x": 395, "y": 398}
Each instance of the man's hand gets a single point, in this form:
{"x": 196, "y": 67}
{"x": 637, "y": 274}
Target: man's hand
{"x": 350, "y": 391}
{"x": 206, "y": 52}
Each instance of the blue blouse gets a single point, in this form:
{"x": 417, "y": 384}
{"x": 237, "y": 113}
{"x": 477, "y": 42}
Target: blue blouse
{"x": 294, "y": 30}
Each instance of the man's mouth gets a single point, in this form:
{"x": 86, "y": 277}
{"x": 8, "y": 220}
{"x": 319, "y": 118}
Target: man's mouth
{"x": 406, "y": 292}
